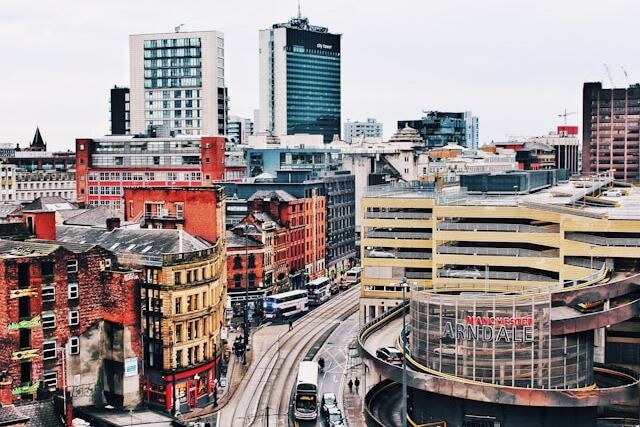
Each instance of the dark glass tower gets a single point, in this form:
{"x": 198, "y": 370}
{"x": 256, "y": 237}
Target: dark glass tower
{"x": 300, "y": 80}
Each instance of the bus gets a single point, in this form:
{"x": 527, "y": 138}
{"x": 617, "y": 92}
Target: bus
{"x": 319, "y": 290}
{"x": 283, "y": 306}
{"x": 353, "y": 276}
{"x": 306, "y": 398}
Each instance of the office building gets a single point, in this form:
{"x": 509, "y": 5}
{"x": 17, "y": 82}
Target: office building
{"x": 610, "y": 130}
{"x": 437, "y": 128}
{"x": 239, "y": 130}
{"x": 104, "y": 166}
{"x": 358, "y": 130}
{"x": 473, "y": 131}
{"x": 566, "y": 146}
{"x": 177, "y": 81}
{"x": 300, "y": 80}
{"x": 119, "y": 111}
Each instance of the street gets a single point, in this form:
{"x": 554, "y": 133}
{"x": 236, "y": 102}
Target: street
{"x": 266, "y": 387}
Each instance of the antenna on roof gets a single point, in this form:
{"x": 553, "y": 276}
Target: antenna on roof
{"x": 299, "y": 13}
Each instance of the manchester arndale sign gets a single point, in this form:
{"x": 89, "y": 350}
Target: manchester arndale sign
{"x": 488, "y": 329}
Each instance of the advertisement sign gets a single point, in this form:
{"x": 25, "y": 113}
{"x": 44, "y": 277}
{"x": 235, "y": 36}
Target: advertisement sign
{"x": 130, "y": 366}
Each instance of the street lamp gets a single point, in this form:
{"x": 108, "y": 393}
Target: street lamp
{"x": 591, "y": 247}
{"x": 196, "y": 378}
{"x": 403, "y": 283}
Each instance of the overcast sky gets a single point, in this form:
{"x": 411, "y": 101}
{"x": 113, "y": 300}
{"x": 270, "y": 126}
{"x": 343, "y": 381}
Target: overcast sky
{"x": 515, "y": 64}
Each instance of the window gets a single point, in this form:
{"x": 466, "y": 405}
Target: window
{"x": 179, "y": 358}
{"x": 74, "y": 317}
{"x": 48, "y": 294}
{"x": 48, "y": 320}
{"x": 74, "y": 345}
{"x": 179, "y": 211}
{"x": 252, "y": 261}
{"x": 179, "y": 332}
{"x": 49, "y": 350}
{"x": 238, "y": 280}
{"x": 237, "y": 261}
{"x": 51, "y": 380}
{"x": 176, "y": 278}
{"x": 252, "y": 280}
{"x": 72, "y": 266}
{"x": 46, "y": 268}
{"x": 178, "y": 305}
{"x": 73, "y": 291}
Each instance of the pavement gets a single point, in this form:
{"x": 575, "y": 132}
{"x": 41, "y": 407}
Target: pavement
{"x": 353, "y": 399}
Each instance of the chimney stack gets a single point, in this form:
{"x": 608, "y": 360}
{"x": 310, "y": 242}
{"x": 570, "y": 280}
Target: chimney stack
{"x": 113, "y": 223}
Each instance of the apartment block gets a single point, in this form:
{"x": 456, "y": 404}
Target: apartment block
{"x": 610, "y": 130}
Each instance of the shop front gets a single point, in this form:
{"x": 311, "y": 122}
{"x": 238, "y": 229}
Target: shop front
{"x": 182, "y": 391}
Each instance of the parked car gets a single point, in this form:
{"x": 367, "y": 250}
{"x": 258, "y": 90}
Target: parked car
{"x": 334, "y": 417}
{"x": 328, "y": 401}
{"x": 612, "y": 193}
{"x": 389, "y": 355}
{"x": 469, "y": 273}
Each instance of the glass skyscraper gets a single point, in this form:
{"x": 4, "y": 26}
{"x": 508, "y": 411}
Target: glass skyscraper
{"x": 300, "y": 80}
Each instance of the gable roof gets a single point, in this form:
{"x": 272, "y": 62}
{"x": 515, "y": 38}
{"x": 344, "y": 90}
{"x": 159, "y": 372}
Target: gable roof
{"x": 49, "y": 203}
{"x": 280, "y": 195}
{"x": 96, "y": 216}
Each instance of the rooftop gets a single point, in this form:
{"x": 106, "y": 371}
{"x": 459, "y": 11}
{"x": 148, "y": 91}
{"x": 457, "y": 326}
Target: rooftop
{"x": 17, "y": 249}
{"x": 49, "y": 203}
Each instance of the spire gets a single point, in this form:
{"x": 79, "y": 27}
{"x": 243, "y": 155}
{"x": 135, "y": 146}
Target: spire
{"x": 38, "y": 143}
{"x": 299, "y": 13}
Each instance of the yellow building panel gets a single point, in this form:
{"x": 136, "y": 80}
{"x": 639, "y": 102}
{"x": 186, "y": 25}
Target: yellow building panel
{"x": 393, "y": 262}
{"x": 396, "y": 202}
{"x": 600, "y": 225}
{"x": 377, "y": 281}
{"x": 574, "y": 248}
{"x": 506, "y": 212}
{"x": 493, "y": 284}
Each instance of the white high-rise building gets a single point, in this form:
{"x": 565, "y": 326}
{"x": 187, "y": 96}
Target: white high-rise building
{"x": 369, "y": 129}
{"x": 471, "y": 122}
{"x": 177, "y": 81}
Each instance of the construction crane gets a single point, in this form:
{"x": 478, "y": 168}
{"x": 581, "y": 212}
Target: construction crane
{"x": 606, "y": 67}
{"x": 626, "y": 75}
{"x": 565, "y": 114}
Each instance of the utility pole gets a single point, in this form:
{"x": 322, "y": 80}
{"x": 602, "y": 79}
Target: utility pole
{"x": 403, "y": 283}
{"x": 246, "y": 294}
{"x": 267, "y": 414}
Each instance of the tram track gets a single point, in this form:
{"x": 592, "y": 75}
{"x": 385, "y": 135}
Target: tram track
{"x": 267, "y": 382}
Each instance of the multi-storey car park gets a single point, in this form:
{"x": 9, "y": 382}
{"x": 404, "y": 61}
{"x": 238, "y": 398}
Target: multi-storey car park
{"x": 523, "y": 299}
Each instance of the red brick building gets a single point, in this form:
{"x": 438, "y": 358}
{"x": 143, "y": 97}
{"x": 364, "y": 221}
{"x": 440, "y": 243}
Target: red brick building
{"x": 68, "y": 320}
{"x": 304, "y": 239}
{"x": 193, "y": 209}
{"x": 104, "y": 166}
{"x": 245, "y": 266}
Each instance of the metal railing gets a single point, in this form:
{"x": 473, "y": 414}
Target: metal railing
{"x": 131, "y": 258}
{"x": 584, "y": 262}
{"x": 498, "y": 275}
{"x": 397, "y": 235}
{"x": 386, "y": 254}
{"x": 562, "y": 210}
{"x": 515, "y": 252}
{"x": 418, "y": 274}
{"x": 398, "y": 215}
{"x": 603, "y": 241}
{"x": 480, "y": 226}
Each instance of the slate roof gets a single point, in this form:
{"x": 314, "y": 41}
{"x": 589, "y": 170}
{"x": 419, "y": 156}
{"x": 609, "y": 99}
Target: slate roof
{"x": 140, "y": 241}
{"x": 6, "y": 210}
{"x": 49, "y": 203}
{"x": 41, "y": 414}
{"x": 94, "y": 216}
{"x": 281, "y": 195}
{"x": 238, "y": 241}
{"x": 16, "y": 249}
{"x": 263, "y": 217}
{"x": 38, "y": 142}
{"x": 11, "y": 415}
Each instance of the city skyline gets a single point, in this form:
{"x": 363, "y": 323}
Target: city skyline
{"x": 516, "y": 68}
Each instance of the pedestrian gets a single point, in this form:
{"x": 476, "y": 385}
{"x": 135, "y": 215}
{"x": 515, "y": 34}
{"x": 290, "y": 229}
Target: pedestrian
{"x": 357, "y": 384}
{"x": 350, "y": 384}
{"x": 290, "y": 324}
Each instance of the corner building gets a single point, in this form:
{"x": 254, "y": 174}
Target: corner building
{"x": 300, "y": 90}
